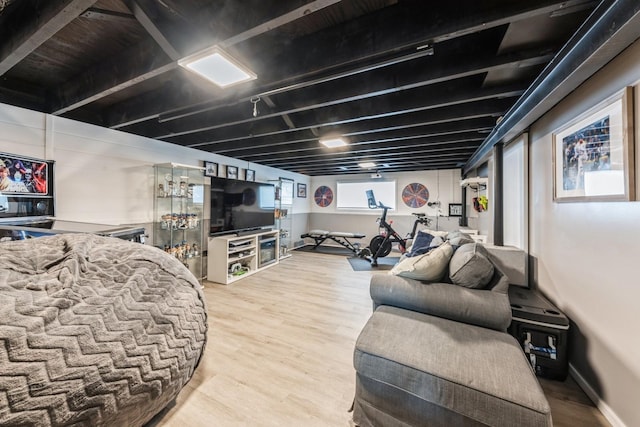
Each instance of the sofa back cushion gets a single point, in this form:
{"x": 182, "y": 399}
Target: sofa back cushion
{"x": 429, "y": 267}
{"x": 470, "y": 266}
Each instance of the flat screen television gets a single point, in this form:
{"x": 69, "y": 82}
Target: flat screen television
{"x": 241, "y": 205}
{"x": 26, "y": 187}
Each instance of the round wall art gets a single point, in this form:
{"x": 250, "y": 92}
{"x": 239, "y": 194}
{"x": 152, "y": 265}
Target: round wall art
{"x": 415, "y": 195}
{"x": 323, "y": 196}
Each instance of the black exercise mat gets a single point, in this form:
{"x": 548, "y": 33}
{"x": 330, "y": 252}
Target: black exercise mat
{"x": 360, "y": 264}
{"x": 331, "y": 250}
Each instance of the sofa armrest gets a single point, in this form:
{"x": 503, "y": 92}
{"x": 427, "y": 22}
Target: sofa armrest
{"x": 482, "y": 307}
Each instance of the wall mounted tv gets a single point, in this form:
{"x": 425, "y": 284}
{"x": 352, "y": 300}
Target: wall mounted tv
{"x": 26, "y": 187}
{"x": 241, "y": 205}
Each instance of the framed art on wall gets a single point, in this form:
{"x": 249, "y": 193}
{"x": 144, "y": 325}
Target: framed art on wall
{"x": 593, "y": 154}
{"x": 250, "y": 175}
{"x": 286, "y": 187}
{"x": 232, "y": 172}
{"x": 455, "y": 209}
{"x": 210, "y": 169}
{"x": 302, "y": 191}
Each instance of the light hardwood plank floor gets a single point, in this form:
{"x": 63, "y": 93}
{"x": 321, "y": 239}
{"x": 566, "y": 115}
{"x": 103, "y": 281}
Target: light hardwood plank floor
{"x": 280, "y": 351}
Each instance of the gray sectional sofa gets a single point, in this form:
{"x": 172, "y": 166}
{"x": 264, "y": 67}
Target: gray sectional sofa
{"x": 437, "y": 353}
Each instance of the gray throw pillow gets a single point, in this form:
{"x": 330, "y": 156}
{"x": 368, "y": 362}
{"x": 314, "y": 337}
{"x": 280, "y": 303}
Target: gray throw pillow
{"x": 429, "y": 267}
{"x": 458, "y": 238}
{"x": 470, "y": 267}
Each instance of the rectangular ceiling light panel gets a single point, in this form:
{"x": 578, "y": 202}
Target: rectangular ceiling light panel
{"x": 366, "y": 165}
{"x": 333, "y": 142}
{"x": 218, "y": 67}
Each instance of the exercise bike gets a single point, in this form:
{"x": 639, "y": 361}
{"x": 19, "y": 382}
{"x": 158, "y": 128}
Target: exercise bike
{"x": 380, "y": 245}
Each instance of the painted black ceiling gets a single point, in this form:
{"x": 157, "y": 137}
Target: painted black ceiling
{"x": 411, "y": 85}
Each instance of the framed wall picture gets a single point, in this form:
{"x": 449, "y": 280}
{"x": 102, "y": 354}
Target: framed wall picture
{"x": 286, "y": 187}
{"x": 302, "y": 191}
{"x": 250, "y": 175}
{"x": 232, "y": 172}
{"x": 593, "y": 154}
{"x": 455, "y": 209}
{"x": 210, "y": 169}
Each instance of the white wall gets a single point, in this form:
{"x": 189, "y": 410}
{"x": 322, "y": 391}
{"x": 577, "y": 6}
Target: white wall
{"x": 106, "y": 176}
{"x": 585, "y": 256}
{"x": 515, "y": 193}
{"x": 443, "y": 186}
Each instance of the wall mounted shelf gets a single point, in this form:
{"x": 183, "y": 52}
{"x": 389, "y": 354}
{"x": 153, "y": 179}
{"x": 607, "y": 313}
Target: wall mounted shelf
{"x": 476, "y": 183}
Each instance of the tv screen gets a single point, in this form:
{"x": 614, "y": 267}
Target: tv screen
{"x": 21, "y": 175}
{"x": 241, "y": 205}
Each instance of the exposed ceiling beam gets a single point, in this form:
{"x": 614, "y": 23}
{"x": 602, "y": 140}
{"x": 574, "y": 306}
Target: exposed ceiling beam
{"x": 449, "y": 151}
{"x": 397, "y": 136}
{"x": 409, "y": 37}
{"x": 278, "y": 22}
{"x": 489, "y": 108}
{"x": 296, "y": 83}
{"x": 107, "y": 15}
{"x": 29, "y": 96}
{"x": 137, "y": 73}
{"x": 142, "y": 62}
{"x": 406, "y": 166}
{"x": 610, "y": 29}
{"x": 51, "y": 17}
{"x": 118, "y": 117}
{"x": 367, "y": 88}
{"x": 144, "y": 12}
{"x": 398, "y": 106}
{"x": 424, "y": 144}
{"x": 414, "y": 164}
{"x": 377, "y": 35}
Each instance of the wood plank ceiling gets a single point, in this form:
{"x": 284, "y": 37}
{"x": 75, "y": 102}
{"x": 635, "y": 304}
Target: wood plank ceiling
{"x": 411, "y": 85}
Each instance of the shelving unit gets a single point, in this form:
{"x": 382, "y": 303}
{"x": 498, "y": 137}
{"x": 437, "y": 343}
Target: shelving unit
{"x": 232, "y": 258}
{"x": 284, "y": 216}
{"x": 178, "y": 213}
{"x": 477, "y": 183}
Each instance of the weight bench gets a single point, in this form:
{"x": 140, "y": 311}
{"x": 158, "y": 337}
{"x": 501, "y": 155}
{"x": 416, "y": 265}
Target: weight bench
{"x": 340, "y": 237}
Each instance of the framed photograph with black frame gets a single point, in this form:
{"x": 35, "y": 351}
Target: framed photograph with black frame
{"x": 250, "y": 175}
{"x": 455, "y": 209}
{"x": 210, "y": 169}
{"x": 593, "y": 156}
{"x": 232, "y": 172}
{"x": 302, "y": 191}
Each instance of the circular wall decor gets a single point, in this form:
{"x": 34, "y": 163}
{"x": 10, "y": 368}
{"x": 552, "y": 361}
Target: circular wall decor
{"x": 415, "y": 195}
{"x": 323, "y": 196}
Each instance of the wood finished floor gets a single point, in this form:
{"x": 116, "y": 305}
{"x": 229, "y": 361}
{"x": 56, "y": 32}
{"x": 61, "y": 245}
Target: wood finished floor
{"x": 280, "y": 348}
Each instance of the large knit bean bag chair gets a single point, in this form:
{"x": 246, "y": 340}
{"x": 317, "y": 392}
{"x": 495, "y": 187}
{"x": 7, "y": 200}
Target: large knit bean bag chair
{"x": 94, "y": 331}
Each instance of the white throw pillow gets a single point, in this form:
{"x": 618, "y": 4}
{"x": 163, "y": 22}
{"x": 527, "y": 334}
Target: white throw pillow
{"x": 429, "y": 267}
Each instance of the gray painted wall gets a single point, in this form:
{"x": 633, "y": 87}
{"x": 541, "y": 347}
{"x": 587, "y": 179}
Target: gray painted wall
{"x": 585, "y": 256}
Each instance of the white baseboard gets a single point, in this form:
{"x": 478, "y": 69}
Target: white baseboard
{"x": 602, "y": 406}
